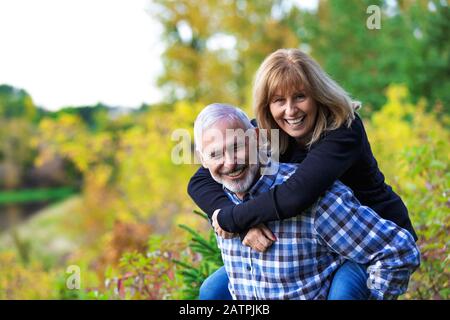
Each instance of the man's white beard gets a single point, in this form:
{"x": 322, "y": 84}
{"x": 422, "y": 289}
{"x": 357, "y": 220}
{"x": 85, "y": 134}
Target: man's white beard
{"x": 242, "y": 185}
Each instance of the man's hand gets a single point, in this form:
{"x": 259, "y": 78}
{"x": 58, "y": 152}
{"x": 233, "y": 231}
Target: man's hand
{"x": 259, "y": 238}
{"x": 220, "y": 232}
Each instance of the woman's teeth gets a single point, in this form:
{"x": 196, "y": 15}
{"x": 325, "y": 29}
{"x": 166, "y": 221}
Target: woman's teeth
{"x": 236, "y": 173}
{"x": 296, "y": 121}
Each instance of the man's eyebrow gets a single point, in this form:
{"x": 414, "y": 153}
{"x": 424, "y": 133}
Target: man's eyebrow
{"x": 231, "y": 145}
{"x": 215, "y": 150}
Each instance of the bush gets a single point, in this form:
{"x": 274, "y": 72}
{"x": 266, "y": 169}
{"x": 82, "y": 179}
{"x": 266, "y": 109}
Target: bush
{"x": 412, "y": 147}
{"x": 204, "y": 260}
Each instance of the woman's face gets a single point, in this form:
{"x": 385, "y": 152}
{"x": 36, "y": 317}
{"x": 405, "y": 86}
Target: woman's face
{"x": 295, "y": 113}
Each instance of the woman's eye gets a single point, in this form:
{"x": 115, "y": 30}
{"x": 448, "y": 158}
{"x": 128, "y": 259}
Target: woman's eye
{"x": 300, "y": 96}
{"x": 278, "y": 100}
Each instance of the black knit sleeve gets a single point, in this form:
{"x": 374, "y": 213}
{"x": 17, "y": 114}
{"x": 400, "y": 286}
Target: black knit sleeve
{"x": 327, "y": 160}
{"x": 207, "y": 193}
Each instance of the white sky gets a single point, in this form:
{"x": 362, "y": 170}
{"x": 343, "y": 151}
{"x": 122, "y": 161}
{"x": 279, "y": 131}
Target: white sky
{"x": 81, "y": 52}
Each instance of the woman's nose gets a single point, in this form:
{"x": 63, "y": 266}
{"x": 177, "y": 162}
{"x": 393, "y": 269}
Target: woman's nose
{"x": 291, "y": 109}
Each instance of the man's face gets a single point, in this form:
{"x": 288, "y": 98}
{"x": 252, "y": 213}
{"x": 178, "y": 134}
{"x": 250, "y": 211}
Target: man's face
{"x": 227, "y": 155}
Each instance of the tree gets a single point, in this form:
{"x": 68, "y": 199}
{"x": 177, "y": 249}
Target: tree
{"x": 17, "y": 113}
{"x": 16, "y": 103}
{"x": 214, "y": 48}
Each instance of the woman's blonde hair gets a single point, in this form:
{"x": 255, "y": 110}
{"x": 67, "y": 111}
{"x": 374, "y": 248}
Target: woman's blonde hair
{"x": 292, "y": 69}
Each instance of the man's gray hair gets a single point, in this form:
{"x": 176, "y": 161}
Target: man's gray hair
{"x": 213, "y": 113}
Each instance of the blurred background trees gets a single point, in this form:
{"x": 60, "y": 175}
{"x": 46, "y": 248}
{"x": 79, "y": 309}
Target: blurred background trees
{"x": 95, "y": 186}
{"x": 213, "y": 48}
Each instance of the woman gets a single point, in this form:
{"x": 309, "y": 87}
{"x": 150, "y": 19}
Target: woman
{"x": 319, "y": 129}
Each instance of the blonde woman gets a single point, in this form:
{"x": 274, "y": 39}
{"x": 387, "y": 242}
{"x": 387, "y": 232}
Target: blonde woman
{"x": 320, "y": 130}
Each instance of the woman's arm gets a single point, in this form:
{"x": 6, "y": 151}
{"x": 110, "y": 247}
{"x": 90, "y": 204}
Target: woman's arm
{"x": 325, "y": 163}
{"x": 207, "y": 193}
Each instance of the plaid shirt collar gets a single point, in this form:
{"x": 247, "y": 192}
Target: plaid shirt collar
{"x": 263, "y": 184}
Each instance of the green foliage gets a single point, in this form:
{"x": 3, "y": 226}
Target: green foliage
{"x": 19, "y": 281}
{"x": 411, "y": 146}
{"x": 202, "y": 67}
{"x": 123, "y": 161}
{"x": 16, "y": 103}
{"x": 144, "y": 276}
{"x": 411, "y": 47}
{"x": 95, "y": 117}
{"x": 210, "y": 259}
{"x": 35, "y": 195}
{"x": 16, "y": 151}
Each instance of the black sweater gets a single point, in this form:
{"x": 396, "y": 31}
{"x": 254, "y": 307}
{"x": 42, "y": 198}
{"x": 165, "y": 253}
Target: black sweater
{"x": 343, "y": 154}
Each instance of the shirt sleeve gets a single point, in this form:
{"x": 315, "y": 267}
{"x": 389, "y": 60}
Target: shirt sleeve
{"x": 207, "y": 194}
{"x": 357, "y": 233}
{"x": 326, "y": 162}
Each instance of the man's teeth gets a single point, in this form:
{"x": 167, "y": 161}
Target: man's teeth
{"x": 295, "y": 121}
{"x": 235, "y": 173}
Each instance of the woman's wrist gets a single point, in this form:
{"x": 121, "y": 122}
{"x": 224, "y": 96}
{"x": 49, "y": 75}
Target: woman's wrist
{"x": 225, "y": 219}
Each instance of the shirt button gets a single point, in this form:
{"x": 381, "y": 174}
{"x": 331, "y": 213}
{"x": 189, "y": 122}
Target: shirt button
{"x": 249, "y": 268}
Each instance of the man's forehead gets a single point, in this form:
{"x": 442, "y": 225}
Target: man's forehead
{"x": 222, "y": 134}
{"x": 222, "y": 130}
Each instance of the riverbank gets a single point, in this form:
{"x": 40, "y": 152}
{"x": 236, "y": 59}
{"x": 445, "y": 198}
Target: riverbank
{"x": 44, "y": 235}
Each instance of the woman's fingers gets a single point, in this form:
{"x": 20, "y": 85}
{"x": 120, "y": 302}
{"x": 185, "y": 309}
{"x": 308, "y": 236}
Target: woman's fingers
{"x": 257, "y": 240}
{"x": 263, "y": 244}
{"x": 267, "y": 232}
{"x": 222, "y": 233}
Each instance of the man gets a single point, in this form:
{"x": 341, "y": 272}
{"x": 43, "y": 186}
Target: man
{"x": 306, "y": 250}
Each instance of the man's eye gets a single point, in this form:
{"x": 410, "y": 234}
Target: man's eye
{"x": 213, "y": 155}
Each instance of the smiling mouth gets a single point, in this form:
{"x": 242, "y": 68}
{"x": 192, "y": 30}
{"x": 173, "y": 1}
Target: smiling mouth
{"x": 236, "y": 173}
{"x": 296, "y": 122}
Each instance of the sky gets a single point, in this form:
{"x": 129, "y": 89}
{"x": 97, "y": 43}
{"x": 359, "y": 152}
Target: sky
{"x": 82, "y": 52}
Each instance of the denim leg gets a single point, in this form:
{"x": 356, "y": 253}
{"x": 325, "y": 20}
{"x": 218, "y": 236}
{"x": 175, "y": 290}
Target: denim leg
{"x": 349, "y": 283}
{"x": 215, "y": 287}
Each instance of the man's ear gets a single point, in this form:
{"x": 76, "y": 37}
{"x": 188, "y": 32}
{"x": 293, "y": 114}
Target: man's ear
{"x": 200, "y": 157}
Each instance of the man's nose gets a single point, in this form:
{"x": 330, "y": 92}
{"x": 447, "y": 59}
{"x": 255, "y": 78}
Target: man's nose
{"x": 230, "y": 159}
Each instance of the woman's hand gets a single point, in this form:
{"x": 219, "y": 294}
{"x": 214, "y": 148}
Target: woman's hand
{"x": 220, "y": 232}
{"x": 259, "y": 238}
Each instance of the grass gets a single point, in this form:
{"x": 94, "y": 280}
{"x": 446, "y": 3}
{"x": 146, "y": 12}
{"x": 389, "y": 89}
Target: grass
{"x": 35, "y": 195}
{"x": 43, "y": 234}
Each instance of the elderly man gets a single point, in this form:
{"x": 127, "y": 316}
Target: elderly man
{"x": 309, "y": 248}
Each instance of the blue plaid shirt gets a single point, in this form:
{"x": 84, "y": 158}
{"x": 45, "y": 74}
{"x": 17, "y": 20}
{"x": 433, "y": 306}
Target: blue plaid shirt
{"x": 311, "y": 246}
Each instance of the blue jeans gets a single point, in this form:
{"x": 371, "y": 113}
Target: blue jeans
{"x": 215, "y": 287}
{"x": 349, "y": 283}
